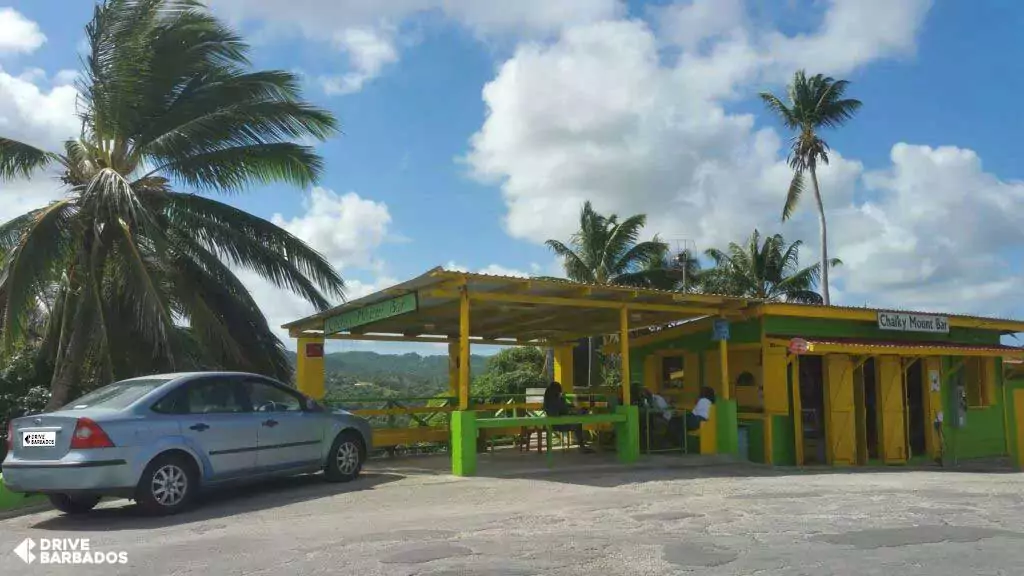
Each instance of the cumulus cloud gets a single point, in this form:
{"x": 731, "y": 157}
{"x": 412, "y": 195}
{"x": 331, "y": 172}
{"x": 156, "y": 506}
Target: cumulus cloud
{"x": 368, "y": 32}
{"x": 18, "y": 35}
{"x": 495, "y": 270}
{"x": 348, "y": 230}
{"x": 602, "y": 115}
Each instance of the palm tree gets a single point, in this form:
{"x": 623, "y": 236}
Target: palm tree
{"x": 768, "y": 270}
{"x": 142, "y": 275}
{"x": 679, "y": 272}
{"x": 606, "y": 251}
{"x": 814, "y": 103}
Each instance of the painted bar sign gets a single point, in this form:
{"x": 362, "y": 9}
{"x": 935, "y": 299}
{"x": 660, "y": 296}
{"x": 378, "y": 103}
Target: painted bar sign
{"x": 371, "y": 313}
{"x": 903, "y": 322}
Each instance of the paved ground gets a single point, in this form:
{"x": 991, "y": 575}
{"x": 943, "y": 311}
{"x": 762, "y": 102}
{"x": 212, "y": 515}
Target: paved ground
{"x": 720, "y": 519}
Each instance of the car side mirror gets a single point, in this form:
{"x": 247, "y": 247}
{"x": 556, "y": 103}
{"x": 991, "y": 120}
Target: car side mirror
{"x": 311, "y": 405}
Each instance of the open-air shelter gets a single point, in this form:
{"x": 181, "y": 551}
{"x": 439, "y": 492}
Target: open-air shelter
{"x": 462, "y": 309}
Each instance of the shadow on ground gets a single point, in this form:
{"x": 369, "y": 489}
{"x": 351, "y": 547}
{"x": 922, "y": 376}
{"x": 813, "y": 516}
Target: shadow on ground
{"x": 217, "y": 503}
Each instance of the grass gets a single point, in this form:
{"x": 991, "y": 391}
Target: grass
{"x": 12, "y": 500}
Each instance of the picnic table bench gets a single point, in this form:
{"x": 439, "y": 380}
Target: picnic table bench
{"x": 465, "y": 426}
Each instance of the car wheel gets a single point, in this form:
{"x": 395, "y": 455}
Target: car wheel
{"x": 345, "y": 460}
{"x": 168, "y": 485}
{"x": 73, "y": 504}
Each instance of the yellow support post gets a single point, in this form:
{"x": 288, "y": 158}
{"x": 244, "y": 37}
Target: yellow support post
{"x": 564, "y": 367}
{"x": 624, "y": 348}
{"x": 464, "y": 349}
{"x": 309, "y": 367}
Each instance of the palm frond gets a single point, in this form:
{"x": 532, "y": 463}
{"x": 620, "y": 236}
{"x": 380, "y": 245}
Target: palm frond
{"x": 20, "y": 160}
{"x": 796, "y": 189}
{"x": 239, "y": 167}
{"x": 575, "y": 268}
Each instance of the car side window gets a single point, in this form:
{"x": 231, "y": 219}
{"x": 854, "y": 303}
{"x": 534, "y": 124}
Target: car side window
{"x": 266, "y": 397}
{"x": 215, "y": 396}
{"x": 175, "y": 402}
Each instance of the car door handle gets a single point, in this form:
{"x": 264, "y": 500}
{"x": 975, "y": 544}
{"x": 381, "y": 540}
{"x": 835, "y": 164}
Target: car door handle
{"x": 198, "y": 427}
{"x": 270, "y": 423}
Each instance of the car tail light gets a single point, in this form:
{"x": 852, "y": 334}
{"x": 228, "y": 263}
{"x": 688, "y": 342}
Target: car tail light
{"x": 88, "y": 434}
{"x": 10, "y": 436}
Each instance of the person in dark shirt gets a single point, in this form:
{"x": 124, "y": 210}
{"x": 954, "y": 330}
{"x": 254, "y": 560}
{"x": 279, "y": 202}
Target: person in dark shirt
{"x": 555, "y": 404}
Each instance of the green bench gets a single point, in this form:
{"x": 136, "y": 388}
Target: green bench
{"x": 465, "y": 427}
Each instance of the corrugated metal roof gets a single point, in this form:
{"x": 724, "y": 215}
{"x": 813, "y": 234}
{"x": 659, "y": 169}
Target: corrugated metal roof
{"x": 899, "y": 310}
{"x": 864, "y": 342}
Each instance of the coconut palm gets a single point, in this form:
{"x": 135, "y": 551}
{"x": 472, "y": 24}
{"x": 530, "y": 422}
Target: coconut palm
{"x": 141, "y": 273}
{"x": 680, "y": 272}
{"x": 768, "y": 270}
{"x": 606, "y": 251}
{"x": 814, "y": 103}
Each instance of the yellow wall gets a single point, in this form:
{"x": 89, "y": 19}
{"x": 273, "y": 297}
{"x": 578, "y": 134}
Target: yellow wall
{"x": 775, "y": 383}
{"x": 932, "y": 403}
{"x": 741, "y": 361}
{"x": 309, "y": 370}
{"x": 564, "y": 368}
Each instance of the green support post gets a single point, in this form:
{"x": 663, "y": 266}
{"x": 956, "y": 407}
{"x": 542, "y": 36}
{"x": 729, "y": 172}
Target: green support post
{"x": 463, "y": 428}
{"x": 627, "y": 434}
{"x": 727, "y": 427}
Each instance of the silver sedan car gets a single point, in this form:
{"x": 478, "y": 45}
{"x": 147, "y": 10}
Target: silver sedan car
{"x": 159, "y": 439}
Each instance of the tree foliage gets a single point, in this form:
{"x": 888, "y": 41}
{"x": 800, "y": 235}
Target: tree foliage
{"x": 813, "y": 103}
{"x": 768, "y": 270}
{"x": 510, "y": 372}
{"x": 142, "y": 275}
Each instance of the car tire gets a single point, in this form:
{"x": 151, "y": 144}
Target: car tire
{"x": 345, "y": 460}
{"x": 169, "y": 484}
{"x": 73, "y": 505}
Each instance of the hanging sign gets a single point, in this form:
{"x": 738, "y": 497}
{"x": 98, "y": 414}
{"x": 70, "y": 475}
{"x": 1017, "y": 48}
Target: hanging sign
{"x": 933, "y": 380}
{"x": 903, "y": 322}
{"x": 314, "y": 350}
{"x": 799, "y": 346}
{"x": 371, "y": 313}
{"x": 720, "y": 330}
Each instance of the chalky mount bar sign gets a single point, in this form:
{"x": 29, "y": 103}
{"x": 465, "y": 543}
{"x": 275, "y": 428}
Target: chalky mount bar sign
{"x": 371, "y": 313}
{"x": 903, "y": 322}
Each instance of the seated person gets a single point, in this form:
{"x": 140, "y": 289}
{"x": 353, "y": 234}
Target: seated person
{"x": 667, "y": 423}
{"x": 555, "y": 404}
{"x": 702, "y": 410}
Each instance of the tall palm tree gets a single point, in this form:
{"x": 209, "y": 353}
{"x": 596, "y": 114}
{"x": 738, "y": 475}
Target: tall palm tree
{"x": 679, "y": 272}
{"x": 606, "y": 251}
{"x": 813, "y": 104}
{"x": 768, "y": 270}
{"x": 141, "y": 274}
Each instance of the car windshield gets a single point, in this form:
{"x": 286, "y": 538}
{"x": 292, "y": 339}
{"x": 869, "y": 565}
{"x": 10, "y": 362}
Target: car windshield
{"x": 117, "y": 395}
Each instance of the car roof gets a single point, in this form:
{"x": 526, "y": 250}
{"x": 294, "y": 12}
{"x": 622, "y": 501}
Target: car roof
{"x": 189, "y": 375}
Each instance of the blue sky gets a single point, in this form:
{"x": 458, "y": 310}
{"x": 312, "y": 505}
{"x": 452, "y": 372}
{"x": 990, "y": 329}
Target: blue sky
{"x": 475, "y": 129}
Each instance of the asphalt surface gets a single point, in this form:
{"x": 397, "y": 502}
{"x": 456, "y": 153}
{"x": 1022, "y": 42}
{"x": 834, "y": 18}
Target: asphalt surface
{"x": 720, "y": 519}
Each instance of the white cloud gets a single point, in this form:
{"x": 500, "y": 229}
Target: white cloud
{"x": 37, "y": 115}
{"x": 18, "y": 35}
{"x": 603, "y": 115}
{"x": 368, "y": 50}
{"x": 368, "y": 31}
{"x": 494, "y": 270}
{"x": 347, "y": 229}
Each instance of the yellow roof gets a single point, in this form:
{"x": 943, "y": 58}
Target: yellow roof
{"x": 520, "y": 309}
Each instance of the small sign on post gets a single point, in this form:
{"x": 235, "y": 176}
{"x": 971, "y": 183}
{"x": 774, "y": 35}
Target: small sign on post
{"x": 314, "y": 350}
{"x": 720, "y": 331}
{"x": 799, "y": 346}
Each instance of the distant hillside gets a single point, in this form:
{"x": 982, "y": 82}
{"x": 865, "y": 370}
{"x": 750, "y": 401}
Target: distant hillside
{"x": 369, "y": 374}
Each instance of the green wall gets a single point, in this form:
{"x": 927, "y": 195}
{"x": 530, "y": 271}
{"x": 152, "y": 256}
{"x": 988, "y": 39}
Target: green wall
{"x": 821, "y": 328}
{"x": 783, "y": 444}
{"x": 985, "y": 433}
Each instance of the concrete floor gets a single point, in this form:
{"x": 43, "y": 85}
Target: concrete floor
{"x": 408, "y": 518}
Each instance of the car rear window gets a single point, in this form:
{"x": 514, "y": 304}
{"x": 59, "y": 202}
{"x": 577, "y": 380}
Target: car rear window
{"x": 117, "y": 395}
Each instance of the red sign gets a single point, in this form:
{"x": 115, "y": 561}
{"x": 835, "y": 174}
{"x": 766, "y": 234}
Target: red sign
{"x": 315, "y": 350}
{"x": 799, "y": 346}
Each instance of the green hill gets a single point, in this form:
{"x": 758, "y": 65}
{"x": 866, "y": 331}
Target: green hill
{"x": 362, "y": 374}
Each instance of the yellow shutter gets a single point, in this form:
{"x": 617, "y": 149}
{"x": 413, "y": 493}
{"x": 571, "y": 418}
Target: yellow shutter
{"x": 691, "y": 373}
{"x": 776, "y": 381}
{"x": 840, "y": 418}
{"x": 893, "y": 439}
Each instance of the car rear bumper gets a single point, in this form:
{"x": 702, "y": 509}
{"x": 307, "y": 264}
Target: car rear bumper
{"x": 111, "y": 476}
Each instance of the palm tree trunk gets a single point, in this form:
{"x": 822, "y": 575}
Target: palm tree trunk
{"x": 824, "y": 238}
{"x": 69, "y": 365}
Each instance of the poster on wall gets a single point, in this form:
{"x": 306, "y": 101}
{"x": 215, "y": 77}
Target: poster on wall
{"x": 933, "y": 380}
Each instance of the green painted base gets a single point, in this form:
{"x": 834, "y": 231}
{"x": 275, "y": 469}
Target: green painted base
{"x": 627, "y": 434}
{"x": 464, "y": 432}
{"x": 726, "y": 427}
